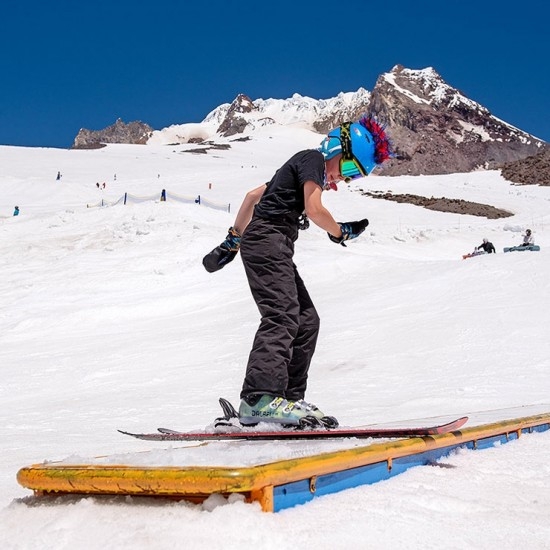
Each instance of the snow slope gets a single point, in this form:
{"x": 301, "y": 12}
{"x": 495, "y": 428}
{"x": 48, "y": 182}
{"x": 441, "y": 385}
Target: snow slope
{"x": 109, "y": 320}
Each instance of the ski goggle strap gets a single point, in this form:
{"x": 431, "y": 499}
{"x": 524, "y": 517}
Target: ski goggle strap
{"x": 350, "y": 167}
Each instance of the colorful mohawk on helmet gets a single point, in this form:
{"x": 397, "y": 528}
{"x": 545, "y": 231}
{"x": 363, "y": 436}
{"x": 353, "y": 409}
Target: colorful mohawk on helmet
{"x": 382, "y": 143}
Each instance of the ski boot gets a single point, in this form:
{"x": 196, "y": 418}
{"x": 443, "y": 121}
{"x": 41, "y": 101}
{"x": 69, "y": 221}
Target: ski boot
{"x": 278, "y": 410}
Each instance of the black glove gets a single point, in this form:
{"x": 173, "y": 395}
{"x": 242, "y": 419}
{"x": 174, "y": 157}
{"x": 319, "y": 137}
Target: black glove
{"x": 303, "y": 222}
{"x": 350, "y": 230}
{"x": 224, "y": 253}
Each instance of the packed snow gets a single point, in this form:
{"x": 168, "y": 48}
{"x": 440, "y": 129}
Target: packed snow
{"x": 109, "y": 321}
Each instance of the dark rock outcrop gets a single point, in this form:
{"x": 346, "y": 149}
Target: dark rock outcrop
{"x": 233, "y": 123}
{"x": 119, "y": 132}
{"x": 443, "y": 204}
{"x": 533, "y": 170}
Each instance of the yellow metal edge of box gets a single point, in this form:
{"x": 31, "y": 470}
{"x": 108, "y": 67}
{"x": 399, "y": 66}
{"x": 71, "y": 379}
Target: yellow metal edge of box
{"x": 254, "y": 481}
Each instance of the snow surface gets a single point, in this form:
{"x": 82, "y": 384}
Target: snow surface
{"x": 109, "y": 320}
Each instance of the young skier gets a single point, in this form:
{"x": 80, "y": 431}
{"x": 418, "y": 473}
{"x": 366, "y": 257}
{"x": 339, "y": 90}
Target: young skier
{"x": 265, "y": 230}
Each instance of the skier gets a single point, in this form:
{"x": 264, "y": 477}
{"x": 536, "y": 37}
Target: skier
{"x": 486, "y": 246}
{"x": 16, "y": 211}
{"x": 528, "y": 239}
{"x": 265, "y": 230}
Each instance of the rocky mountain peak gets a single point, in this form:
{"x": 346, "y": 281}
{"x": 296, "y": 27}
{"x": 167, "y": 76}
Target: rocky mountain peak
{"x": 435, "y": 128}
{"x": 320, "y": 115}
{"x": 134, "y": 133}
{"x": 233, "y": 123}
{"x": 438, "y": 130}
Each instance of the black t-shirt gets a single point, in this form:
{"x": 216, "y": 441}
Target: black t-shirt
{"x": 285, "y": 192}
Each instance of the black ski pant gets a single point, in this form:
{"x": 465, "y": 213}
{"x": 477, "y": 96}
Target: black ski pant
{"x": 285, "y": 341}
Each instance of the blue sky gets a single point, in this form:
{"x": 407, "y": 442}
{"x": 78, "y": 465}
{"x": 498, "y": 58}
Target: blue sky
{"x": 67, "y": 65}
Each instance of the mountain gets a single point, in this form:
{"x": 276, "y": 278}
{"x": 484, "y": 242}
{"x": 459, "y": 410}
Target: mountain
{"x": 434, "y": 127}
{"x": 438, "y": 130}
{"x": 134, "y": 132}
{"x": 321, "y": 115}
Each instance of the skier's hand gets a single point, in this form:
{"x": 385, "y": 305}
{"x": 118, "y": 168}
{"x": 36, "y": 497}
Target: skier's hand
{"x": 224, "y": 253}
{"x": 350, "y": 230}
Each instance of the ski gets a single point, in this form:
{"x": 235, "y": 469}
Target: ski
{"x": 253, "y": 434}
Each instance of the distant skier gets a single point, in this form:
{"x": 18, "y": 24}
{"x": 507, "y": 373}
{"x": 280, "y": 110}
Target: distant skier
{"x": 528, "y": 239}
{"x": 16, "y": 211}
{"x": 486, "y": 246}
{"x": 58, "y": 176}
{"x": 265, "y": 230}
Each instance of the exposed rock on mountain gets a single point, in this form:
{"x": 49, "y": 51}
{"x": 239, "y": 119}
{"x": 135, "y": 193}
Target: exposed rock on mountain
{"x": 133, "y": 133}
{"x": 442, "y": 204}
{"x": 233, "y": 123}
{"x": 245, "y": 115}
{"x": 434, "y": 127}
{"x": 531, "y": 170}
{"x": 437, "y": 130}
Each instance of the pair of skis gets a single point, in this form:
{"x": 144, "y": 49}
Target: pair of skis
{"x": 228, "y": 430}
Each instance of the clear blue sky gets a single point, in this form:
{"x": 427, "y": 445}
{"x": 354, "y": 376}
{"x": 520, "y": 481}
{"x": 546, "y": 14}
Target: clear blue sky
{"x": 67, "y": 64}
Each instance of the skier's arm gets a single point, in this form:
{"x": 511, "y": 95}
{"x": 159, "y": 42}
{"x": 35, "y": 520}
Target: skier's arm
{"x": 226, "y": 251}
{"x": 244, "y": 215}
{"x": 316, "y": 212}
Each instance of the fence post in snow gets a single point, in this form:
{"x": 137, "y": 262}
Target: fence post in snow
{"x": 125, "y": 197}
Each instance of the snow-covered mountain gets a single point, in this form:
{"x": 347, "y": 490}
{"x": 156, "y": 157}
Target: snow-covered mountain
{"x": 245, "y": 116}
{"x": 435, "y": 128}
{"x": 438, "y": 130}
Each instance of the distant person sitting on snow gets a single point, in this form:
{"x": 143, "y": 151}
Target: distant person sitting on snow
{"x": 16, "y": 211}
{"x": 487, "y": 246}
{"x": 265, "y": 229}
{"x": 528, "y": 239}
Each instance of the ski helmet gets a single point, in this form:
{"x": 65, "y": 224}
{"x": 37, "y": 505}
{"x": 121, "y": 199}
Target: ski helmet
{"x": 364, "y": 143}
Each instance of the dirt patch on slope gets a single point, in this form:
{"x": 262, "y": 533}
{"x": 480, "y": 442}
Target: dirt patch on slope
{"x": 442, "y": 204}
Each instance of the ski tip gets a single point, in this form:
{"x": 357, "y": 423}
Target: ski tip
{"x": 455, "y": 424}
